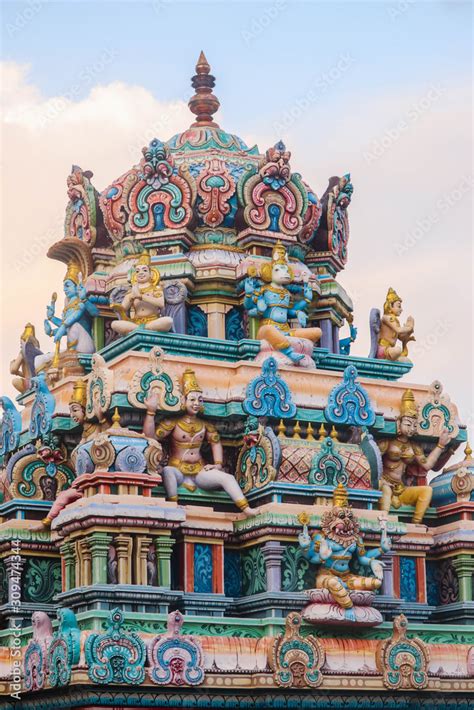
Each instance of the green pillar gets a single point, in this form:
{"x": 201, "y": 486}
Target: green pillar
{"x": 464, "y": 566}
{"x": 99, "y": 546}
{"x": 67, "y": 552}
{"x": 98, "y": 332}
{"x": 253, "y": 327}
{"x": 164, "y": 546}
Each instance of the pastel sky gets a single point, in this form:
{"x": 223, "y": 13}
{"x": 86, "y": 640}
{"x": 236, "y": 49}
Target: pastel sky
{"x": 380, "y": 89}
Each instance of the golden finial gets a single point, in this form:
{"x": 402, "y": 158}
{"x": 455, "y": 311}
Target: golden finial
{"x": 304, "y": 518}
{"x": 281, "y": 428}
{"x": 468, "y": 451}
{"x": 309, "y": 432}
{"x": 340, "y": 497}
{"x": 116, "y": 419}
{"x": 333, "y": 433}
{"x": 322, "y": 432}
{"x": 297, "y": 431}
{"x": 204, "y": 104}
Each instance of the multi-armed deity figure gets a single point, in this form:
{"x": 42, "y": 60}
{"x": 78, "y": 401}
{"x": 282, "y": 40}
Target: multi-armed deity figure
{"x": 143, "y": 304}
{"x": 402, "y": 457}
{"x": 186, "y": 466}
{"x": 269, "y": 297}
{"x": 339, "y": 544}
{"x": 76, "y": 320}
{"x": 385, "y": 332}
{"x": 23, "y": 366}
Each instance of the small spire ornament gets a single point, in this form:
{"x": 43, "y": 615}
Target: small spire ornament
{"x": 204, "y": 104}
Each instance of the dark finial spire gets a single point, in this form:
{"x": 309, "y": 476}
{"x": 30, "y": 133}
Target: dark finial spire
{"x": 203, "y": 104}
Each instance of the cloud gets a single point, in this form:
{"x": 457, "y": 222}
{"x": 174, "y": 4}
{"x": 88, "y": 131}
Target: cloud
{"x": 420, "y": 138}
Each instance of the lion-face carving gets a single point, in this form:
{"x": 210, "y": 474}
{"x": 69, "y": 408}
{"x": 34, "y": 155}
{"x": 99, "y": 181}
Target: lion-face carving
{"x": 340, "y": 525}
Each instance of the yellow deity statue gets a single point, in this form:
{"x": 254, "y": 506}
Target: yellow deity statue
{"x": 387, "y": 330}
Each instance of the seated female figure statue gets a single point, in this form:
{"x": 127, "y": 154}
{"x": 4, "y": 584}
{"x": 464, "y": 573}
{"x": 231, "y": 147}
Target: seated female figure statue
{"x": 144, "y": 302}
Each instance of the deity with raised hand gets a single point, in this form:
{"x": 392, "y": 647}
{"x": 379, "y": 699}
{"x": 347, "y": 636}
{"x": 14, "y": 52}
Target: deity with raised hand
{"x": 143, "y": 304}
{"x": 387, "y": 330}
{"x": 401, "y": 454}
{"x": 270, "y": 298}
{"x": 187, "y": 435}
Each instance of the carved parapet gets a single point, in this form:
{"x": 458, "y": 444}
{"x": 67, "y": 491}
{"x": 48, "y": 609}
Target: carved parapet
{"x": 297, "y": 660}
{"x": 175, "y": 659}
{"x": 115, "y": 656}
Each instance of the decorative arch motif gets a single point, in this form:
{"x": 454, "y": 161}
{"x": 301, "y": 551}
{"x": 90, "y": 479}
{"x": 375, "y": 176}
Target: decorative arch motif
{"x": 65, "y": 649}
{"x": 327, "y": 467}
{"x": 81, "y": 211}
{"x": 273, "y": 198}
{"x": 10, "y": 427}
{"x": 153, "y": 196}
{"x": 215, "y": 187}
{"x": 296, "y": 660}
{"x": 403, "y": 662}
{"x": 332, "y": 235}
{"x": 175, "y": 659}
{"x": 349, "y": 403}
{"x": 437, "y": 412}
{"x": 99, "y": 388}
{"x": 35, "y": 667}
{"x": 153, "y": 377}
{"x": 268, "y": 395}
{"x": 259, "y": 457}
{"x": 311, "y": 217}
{"x": 115, "y": 656}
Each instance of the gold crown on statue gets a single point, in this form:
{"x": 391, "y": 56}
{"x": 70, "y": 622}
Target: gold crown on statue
{"x": 392, "y": 297}
{"x": 279, "y": 255}
{"x": 190, "y": 383}
{"x": 408, "y": 407}
{"x": 29, "y": 332}
{"x": 79, "y": 393}
{"x": 73, "y": 273}
{"x": 340, "y": 498}
{"x": 145, "y": 260}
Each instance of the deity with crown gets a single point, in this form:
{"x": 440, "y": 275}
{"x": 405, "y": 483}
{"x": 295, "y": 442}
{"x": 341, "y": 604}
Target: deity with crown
{"x": 402, "y": 454}
{"x": 336, "y": 547}
{"x": 144, "y": 302}
{"x": 187, "y": 435}
{"x": 387, "y": 330}
{"x": 269, "y": 298}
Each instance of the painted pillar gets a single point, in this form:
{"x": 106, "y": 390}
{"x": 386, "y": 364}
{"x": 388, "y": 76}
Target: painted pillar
{"x": 272, "y": 553}
{"x": 215, "y": 319}
{"x": 68, "y": 564}
{"x": 464, "y": 566}
{"x": 253, "y": 327}
{"x": 421, "y": 579}
{"x": 335, "y": 339}
{"x": 98, "y": 332}
{"x": 99, "y": 546}
{"x": 123, "y": 545}
{"x": 164, "y": 547}
{"x": 85, "y": 562}
{"x": 142, "y": 545}
{"x": 326, "y": 337}
{"x": 387, "y": 582}
{"x": 218, "y": 568}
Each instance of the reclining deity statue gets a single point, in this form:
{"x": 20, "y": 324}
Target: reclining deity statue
{"x": 143, "y": 304}
{"x": 76, "y": 320}
{"x": 336, "y": 546}
{"x": 23, "y": 366}
{"x": 386, "y": 331}
{"x": 401, "y": 454}
{"x": 186, "y": 466}
{"x": 268, "y": 298}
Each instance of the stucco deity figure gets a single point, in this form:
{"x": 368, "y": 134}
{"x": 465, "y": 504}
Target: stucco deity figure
{"x": 269, "y": 297}
{"x": 186, "y": 465}
{"x": 76, "y": 319}
{"x": 336, "y": 546}
{"x": 143, "y": 304}
{"x": 23, "y": 366}
{"x": 387, "y": 330}
{"x": 77, "y": 411}
{"x": 401, "y": 454}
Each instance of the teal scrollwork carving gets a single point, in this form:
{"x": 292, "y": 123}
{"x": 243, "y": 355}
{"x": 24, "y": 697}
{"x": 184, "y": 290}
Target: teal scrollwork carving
{"x": 197, "y": 321}
{"x": 203, "y": 568}
{"x": 294, "y": 569}
{"x": 296, "y": 660}
{"x": 327, "y": 467}
{"x": 268, "y": 395}
{"x": 115, "y": 656}
{"x": 234, "y": 329}
{"x": 65, "y": 649}
{"x": 232, "y": 573}
{"x": 349, "y": 403}
{"x": 42, "y": 580}
{"x": 153, "y": 377}
{"x": 10, "y": 426}
{"x": 253, "y": 571}
{"x": 41, "y": 421}
{"x": 403, "y": 662}
{"x": 175, "y": 659}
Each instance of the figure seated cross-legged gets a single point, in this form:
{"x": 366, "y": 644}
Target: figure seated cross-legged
{"x": 334, "y": 549}
{"x": 270, "y": 301}
{"x": 399, "y": 455}
{"x": 186, "y": 466}
{"x": 389, "y": 338}
{"x": 143, "y": 304}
